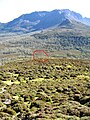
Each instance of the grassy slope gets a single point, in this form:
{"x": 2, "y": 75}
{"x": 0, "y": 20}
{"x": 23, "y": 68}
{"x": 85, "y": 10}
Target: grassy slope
{"x": 58, "y": 89}
{"x": 58, "y": 42}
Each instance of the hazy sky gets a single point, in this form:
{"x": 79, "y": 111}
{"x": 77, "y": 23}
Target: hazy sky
{"x": 10, "y": 9}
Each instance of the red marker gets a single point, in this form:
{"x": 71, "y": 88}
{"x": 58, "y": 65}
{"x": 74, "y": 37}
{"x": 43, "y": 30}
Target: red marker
{"x": 38, "y": 52}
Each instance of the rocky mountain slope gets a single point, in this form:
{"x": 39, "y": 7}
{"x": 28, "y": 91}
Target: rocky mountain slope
{"x": 42, "y": 20}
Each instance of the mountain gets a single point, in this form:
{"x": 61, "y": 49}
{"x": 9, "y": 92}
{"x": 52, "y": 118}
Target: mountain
{"x": 72, "y": 24}
{"x": 1, "y": 25}
{"x": 43, "y": 20}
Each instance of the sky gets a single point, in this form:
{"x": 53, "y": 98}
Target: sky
{"x": 11, "y": 9}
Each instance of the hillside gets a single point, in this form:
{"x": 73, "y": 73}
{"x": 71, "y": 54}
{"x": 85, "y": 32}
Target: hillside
{"x": 58, "y": 89}
{"x": 70, "y": 39}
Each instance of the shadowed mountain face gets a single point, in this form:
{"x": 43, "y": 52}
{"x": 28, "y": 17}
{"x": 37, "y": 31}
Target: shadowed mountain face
{"x": 72, "y": 24}
{"x": 43, "y": 20}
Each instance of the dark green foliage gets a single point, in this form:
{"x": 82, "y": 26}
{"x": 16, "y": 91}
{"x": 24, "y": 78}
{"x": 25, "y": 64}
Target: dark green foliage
{"x": 9, "y": 111}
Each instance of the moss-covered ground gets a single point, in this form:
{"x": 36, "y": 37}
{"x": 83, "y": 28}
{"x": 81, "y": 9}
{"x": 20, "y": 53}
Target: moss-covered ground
{"x": 58, "y": 89}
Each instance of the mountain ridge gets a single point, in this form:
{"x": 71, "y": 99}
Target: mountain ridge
{"x": 40, "y": 20}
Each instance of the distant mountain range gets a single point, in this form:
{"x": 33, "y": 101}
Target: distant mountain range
{"x": 43, "y": 20}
